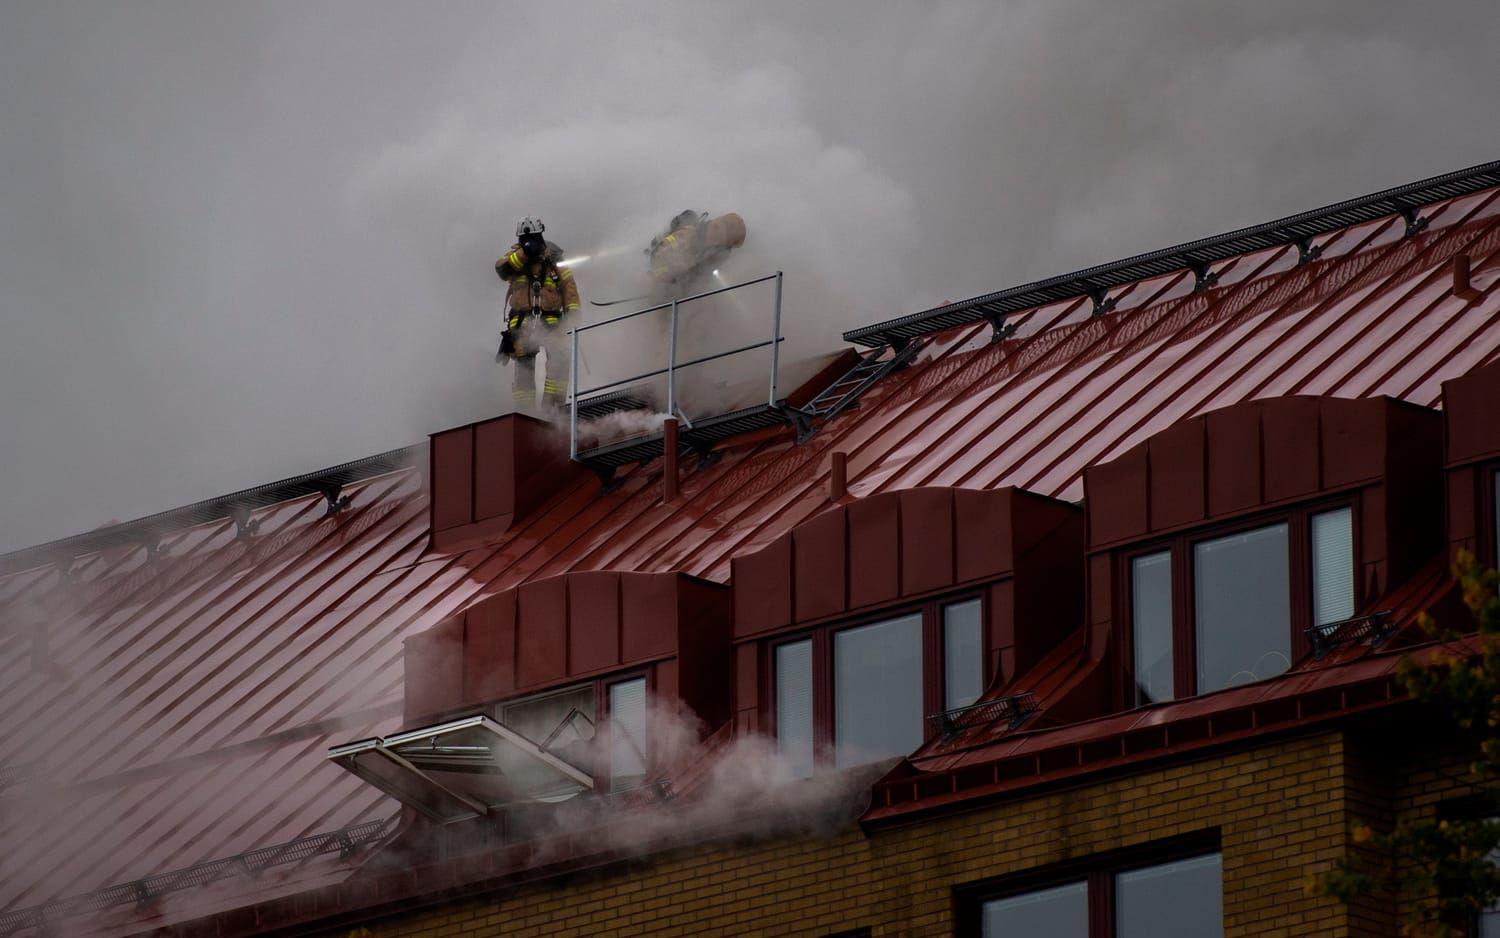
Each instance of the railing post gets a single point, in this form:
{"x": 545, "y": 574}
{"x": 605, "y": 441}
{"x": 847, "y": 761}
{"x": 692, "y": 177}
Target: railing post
{"x": 669, "y": 459}
{"x": 775, "y": 341}
{"x": 672, "y": 366}
{"x": 573, "y": 397}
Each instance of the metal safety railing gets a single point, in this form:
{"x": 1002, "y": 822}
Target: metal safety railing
{"x": 673, "y": 365}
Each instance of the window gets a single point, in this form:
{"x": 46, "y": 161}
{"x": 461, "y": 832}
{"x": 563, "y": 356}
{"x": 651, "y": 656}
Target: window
{"x": 627, "y": 734}
{"x": 1182, "y": 899}
{"x": 565, "y": 723}
{"x": 1151, "y": 611}
{"x": 1211, "y": 610}
{"x": 794, "y": 706}
{"x": 852, "y": 693}
{"x": 877, "y": 690}
{"x": 1127, "y": 897}
{"x": 1495, "y": 531}
{"x": 1242, "y": 607}
{"x": 1059, "y": 912}
{"x": 963, "y": 654}
{"x": 539, "y": 717}
{"x": 1487, "y": 924}
{"x": 1333, "y": 566}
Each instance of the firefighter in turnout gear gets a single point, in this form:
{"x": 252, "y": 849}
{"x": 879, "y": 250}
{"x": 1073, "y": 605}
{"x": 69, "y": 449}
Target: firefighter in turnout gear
{"x": 541, "y": 297}
{"x": 692, "y": 244}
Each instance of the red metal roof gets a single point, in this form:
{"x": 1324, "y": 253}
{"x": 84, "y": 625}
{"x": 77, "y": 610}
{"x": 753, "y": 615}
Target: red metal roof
{"x": 180, "y": 706}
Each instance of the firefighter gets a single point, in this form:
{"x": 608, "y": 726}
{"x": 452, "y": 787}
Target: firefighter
{"x": 692, "y": 243}
{"x": 541, "y": 297}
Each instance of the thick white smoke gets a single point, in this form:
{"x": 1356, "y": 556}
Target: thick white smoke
{"x": 243, "y": 241}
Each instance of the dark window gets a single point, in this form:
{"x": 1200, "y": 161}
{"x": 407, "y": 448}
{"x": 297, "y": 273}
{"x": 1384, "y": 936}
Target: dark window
{"x": 877, "y": 690}
{"x": 538, "y": 717}
{"x": 794, "y": 705}
{"x": 1487, "y": 924}
{"x": 1181, "y": 899}
{"x": 1056, "y": 912}
{"x": 1151, "y": 610}
{"x": 1242, "y": 607}
{"x": 963, "y": 654}
{"x": 1214, "y": 609}
{"x": 565, "y": 721}
{"x": 1495, "y": 519}
{"x": 851, "y": 693}
{"x": 1151, "y": 892}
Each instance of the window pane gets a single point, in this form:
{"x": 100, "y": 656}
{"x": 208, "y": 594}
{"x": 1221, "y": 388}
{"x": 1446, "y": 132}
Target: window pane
{"x": 877, "y": 690}
{"x": 1489, "y": 919}
{"x": 794, "y": 714}
{"x": 541, "y": 717}
{"x": 627, "y": 734}
{"x": 963, "y": 654}
{"x": 1173, "y": 900}
{"x": 538, "y": 717}
{"x": 1333, "y": 566}
{"x": 1060, "y": 912}
{"x": 1489, "y": 924}
{"x": 1151, "y": 626}
{"x": 1242, "y": 602}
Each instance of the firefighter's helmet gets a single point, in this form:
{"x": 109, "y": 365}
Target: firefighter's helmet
{"x": 529, "y": 226}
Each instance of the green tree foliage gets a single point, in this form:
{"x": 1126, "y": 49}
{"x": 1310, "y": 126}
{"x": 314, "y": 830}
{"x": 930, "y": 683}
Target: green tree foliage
{"x": 1446, "y": 867}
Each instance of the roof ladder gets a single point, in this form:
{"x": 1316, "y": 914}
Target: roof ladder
{"x": 848, "y": 389}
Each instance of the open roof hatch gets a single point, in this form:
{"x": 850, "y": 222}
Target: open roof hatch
{"x": 460, "y": 769}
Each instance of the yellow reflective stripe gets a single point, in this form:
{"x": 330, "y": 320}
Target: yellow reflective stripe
{"x": 554, "y": 386}
{"x": 570, "y": 307}
{"x": 670, "y": 239}
{"x": 565, "y": 274}
{"x": 515, "y": 259}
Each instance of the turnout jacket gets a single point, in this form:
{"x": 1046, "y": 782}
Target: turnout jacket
{"x": 558, "y": 295}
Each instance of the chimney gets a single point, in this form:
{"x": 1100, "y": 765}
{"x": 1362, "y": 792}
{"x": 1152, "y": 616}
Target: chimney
{"x": 838, "y": 475}
{"x": 486, "y": 476}
{"x": 1461, "y": 286}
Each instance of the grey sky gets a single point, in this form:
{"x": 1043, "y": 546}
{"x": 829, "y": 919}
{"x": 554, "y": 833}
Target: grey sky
{"x": 242, "y": 241}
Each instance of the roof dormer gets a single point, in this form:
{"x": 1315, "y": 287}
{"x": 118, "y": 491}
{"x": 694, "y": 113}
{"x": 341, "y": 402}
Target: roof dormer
{"x": 1216, "y": 544}
{"x": 549, "y": 689}
{"x": 866, "y": 619}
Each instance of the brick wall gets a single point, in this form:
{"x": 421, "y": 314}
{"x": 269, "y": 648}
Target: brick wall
{"x": 1282, "y": 810}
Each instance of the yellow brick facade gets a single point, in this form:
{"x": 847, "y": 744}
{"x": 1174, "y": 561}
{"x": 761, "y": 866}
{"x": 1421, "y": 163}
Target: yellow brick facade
{"x": 1282, "y": 809}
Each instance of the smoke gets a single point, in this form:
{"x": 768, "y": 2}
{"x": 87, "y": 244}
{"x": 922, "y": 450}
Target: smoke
{"x": 618, "y": 426}
{"x": 246, "y": 241}
{"x": 739, "y": 786}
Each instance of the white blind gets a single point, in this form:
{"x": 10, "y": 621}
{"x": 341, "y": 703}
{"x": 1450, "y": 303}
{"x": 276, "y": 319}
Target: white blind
{"x": 627, "y": 734}
{"x": 794, "y": 698}
{"x": 1333, "y": 566}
